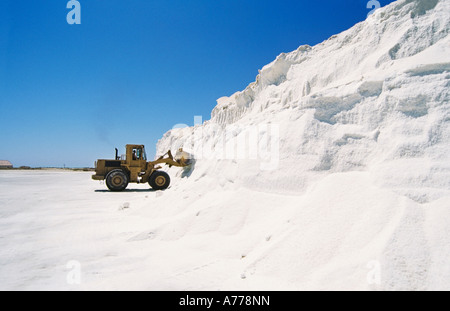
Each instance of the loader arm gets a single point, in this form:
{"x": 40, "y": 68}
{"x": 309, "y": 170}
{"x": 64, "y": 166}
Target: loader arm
{"x": 169, "y": 160}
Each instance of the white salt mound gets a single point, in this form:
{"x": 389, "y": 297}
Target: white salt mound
{"x": 341, "y": 153}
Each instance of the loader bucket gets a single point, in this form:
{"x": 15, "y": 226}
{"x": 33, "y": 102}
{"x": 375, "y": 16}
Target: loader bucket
{"x": 184, "y": 158}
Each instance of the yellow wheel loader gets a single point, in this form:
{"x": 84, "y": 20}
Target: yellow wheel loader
{"x": 134, "y": 168}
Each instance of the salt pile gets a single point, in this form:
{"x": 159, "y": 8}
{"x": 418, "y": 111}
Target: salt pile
{"x": 351, "y": 140}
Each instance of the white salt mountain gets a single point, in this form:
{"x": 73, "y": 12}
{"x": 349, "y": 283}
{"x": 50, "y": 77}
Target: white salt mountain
{"x": 332, "y": 170}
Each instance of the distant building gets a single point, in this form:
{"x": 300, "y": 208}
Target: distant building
{"x": 5, "y": 164}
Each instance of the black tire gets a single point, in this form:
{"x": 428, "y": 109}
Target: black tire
{"x": 159, "y": 180}
{"x": 117, "y": 180}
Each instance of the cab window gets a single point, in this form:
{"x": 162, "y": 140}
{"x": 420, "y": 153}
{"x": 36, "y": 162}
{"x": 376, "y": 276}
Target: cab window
{"x": 136, "y": 154}
{"x": 139, "y": 154}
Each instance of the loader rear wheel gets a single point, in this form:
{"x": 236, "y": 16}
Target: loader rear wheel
{"x": 159, "y": 180}
{"x": 117, "y": 180}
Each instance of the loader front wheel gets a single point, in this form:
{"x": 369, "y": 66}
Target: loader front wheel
{"x": 159, "y": 180}
{"x": 117, "y": 180}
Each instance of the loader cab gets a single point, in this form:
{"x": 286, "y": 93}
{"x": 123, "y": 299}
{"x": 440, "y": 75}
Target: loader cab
{"x": 136, "y": 155}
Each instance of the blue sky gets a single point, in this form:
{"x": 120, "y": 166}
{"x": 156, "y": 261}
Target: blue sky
{"x": 133, "y": 69}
